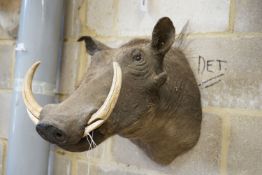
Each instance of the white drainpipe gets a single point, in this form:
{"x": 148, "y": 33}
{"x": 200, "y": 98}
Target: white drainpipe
{"x": 39, "y": 38}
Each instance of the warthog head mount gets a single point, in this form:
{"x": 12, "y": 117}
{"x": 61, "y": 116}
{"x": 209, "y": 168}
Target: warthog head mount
{"x": 144, "y": 91}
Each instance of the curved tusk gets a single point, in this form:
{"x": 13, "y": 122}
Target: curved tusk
{"x": 33, "y": 108}
{"x": 98, "y": 118}
{"x": 32, "y": 117}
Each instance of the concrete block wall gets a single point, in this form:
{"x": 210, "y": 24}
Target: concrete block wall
{"x": 223, "y": 46}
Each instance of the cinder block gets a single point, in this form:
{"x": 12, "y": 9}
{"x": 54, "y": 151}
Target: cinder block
{"x": 126, "y": 18}
{"x": 248, "y": 16}
{"x": 124, "y": 151}
{"x": 228, "y": 70}
{"x": 5, "y": 113}
{"x": 113, "y": 170}
{"x": 86, "y": 168}
{"x": 202, "y": 159}
{"x": 245, "y": 149}
{"x": 69, "y": 67}
{"x": 72, "y": 20}
{"x": 9, "y": 18}
{"x": 6, "y": 61}
{"x": 61, "y": 165}
{"x": 101, "y": 16}
{"x": 101, "y": 152}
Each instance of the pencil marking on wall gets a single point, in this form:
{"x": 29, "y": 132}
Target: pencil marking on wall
{"x": 215, "y": 68}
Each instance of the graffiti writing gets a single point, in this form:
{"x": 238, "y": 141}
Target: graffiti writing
{"x": 210, "y": 65}
{"x": 215, "y": 67}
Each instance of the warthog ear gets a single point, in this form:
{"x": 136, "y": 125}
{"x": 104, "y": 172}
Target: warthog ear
{"x": 92, "y": 45}
{"x": 163, "y": 35}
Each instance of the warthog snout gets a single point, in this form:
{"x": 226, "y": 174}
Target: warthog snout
{"x": 62, "y": 125}
{"x": 51, "y": 133}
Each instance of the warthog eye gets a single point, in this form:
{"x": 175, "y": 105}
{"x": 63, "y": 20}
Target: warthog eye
{"x": 137, "y": 55}
{"x": 138, "y": 58}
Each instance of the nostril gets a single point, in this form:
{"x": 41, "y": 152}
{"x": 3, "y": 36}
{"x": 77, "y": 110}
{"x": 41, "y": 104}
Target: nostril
{"x": 59, "y": 135}
{"x": 42, "y": 128}
{"x": 51, "y": 133}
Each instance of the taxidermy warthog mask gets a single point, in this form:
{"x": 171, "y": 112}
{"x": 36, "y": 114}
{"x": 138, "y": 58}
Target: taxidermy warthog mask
{"x": 144, "y": 91}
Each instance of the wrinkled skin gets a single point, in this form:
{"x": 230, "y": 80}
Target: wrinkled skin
{"x": 158, "y": 108}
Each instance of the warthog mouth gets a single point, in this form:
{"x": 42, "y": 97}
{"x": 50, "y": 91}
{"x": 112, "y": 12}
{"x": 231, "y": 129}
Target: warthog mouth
{"x": 95, "y": 121}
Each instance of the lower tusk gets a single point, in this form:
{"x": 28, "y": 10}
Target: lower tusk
{"x": 103, "y": 113}
{"x": 32, "y": 117}
{"x": 93, "y": 126}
